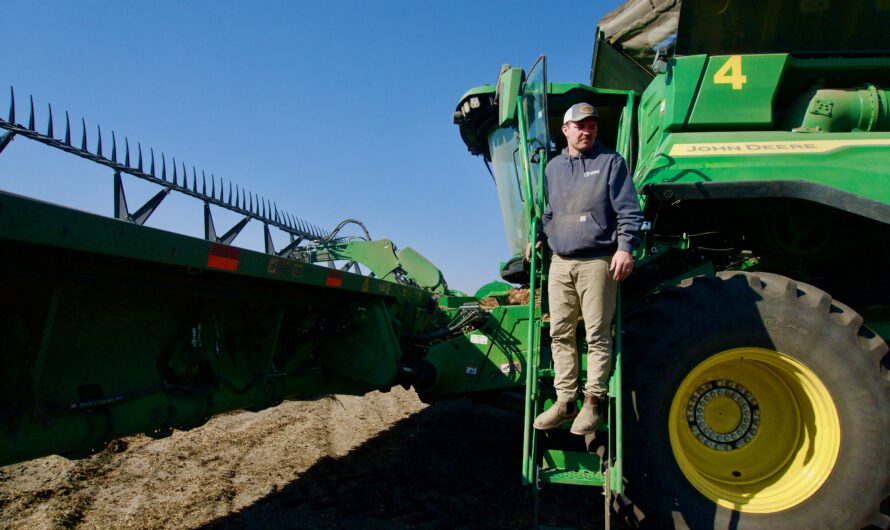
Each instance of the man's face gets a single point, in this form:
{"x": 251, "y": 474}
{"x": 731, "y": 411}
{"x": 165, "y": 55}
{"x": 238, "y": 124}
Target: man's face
{"x": 580, "y": 134}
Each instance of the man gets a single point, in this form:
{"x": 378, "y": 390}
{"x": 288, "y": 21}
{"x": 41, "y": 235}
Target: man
{"x": 592, "y": 224}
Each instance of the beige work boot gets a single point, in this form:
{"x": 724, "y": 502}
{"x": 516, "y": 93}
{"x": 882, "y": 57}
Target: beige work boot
{"x": 588, "y": 419}
{"x": 556, "y": 415}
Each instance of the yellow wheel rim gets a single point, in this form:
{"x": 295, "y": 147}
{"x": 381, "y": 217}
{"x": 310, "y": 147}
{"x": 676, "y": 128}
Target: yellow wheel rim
{"x": 754, "y": 430}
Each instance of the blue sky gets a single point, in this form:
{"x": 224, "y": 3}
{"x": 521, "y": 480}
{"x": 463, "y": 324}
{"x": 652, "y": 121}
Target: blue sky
{"x": 330, "y": 109}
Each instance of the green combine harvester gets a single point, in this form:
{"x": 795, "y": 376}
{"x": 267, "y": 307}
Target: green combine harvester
{"x": 755, "y": 371}
{"x": 750, "y": 386}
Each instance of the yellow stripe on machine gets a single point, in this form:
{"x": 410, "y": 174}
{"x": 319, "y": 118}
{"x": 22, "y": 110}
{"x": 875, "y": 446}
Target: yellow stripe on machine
{"x": 771, "y": 148}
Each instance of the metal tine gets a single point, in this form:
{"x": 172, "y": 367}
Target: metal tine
{"x": 194, "y": 177}
{"x": 238, "y": 197}
{"x": 264, "y": 206}
{"x": 203, "y": 181}
{"x": 11, "y": 105}
{"x": 139, "y": 144}
{"x": 83, "y": 140}
{"x": 113, "y": 147}
{"x": 250, "y": 203}
{"x": 163, "y": 167}
{"x": 67, "y": 129}
{"x": 174, "y": 174}
{"x": 127, "y": 156}
{"x": 31, "y": 117}
{"x": 49, "y": 126}
{"x": 277, "y": 219}
{"x": 257, "y": 197}
{"x": 99, "y": 145}
{"x": 230, "y": 193}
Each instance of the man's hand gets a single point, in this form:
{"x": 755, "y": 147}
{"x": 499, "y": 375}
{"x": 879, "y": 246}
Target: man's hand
{"x": 622, "y": 265}
{"x": 528, "y": 250}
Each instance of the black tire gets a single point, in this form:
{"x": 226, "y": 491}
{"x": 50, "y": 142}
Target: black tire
{"x": 670, "y": 334}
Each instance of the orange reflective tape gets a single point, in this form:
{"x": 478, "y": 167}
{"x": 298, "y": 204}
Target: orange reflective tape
{"x": 334, "y": 279}
{"x": 223, "y": 257}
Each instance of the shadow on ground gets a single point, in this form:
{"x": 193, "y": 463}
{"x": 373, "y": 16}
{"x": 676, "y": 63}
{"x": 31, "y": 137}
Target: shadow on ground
{"x": 452, "y": 465}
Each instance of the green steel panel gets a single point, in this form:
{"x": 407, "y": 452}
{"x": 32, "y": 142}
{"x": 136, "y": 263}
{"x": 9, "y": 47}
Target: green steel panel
{"x": 680, "y": 89}
{"x": 738, "y": 89}
{"x": 778, "y": 155}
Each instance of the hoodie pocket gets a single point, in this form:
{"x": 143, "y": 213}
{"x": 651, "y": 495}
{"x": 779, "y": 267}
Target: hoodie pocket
{"x": 571, "y": 233}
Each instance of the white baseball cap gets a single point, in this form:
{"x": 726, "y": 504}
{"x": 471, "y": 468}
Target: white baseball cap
{"x": 580, "y": 111}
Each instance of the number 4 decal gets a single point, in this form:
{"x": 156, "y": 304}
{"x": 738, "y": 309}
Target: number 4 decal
{"x": 731, "y": 73}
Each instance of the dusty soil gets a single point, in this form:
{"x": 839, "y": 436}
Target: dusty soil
{"x": 384, "y": 460}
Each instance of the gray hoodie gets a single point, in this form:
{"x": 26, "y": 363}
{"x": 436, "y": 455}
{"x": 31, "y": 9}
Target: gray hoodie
{"x": 592, "y": 204}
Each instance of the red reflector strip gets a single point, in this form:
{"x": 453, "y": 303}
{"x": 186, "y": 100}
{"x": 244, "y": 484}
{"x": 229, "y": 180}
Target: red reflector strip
{"x": 334, "y": 279}
{"x": 223, "y": 257}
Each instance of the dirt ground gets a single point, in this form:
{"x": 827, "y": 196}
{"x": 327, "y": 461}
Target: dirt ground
{"x": 385, "y": 460}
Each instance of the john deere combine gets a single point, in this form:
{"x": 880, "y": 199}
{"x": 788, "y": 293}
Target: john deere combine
{"x": 744, "y": 394}
{"x": 755, "y": 384}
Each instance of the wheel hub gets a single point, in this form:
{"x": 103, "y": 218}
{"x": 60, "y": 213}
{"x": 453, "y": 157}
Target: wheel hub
{"x": 723, "y": 415}
{"x": 760, "y": 454}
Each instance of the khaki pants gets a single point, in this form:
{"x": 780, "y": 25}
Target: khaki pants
{"x": 581, "y": 285}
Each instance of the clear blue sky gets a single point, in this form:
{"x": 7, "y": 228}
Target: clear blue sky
{"x": 331, "y": 109}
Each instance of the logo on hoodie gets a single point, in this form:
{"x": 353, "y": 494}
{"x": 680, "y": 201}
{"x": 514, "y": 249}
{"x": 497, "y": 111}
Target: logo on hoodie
{"x": 591, "y": 173}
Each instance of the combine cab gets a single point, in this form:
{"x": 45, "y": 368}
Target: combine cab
{"x": 755, "y": 324}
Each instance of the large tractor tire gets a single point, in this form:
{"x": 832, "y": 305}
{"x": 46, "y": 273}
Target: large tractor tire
{"x": 754, "y": 402}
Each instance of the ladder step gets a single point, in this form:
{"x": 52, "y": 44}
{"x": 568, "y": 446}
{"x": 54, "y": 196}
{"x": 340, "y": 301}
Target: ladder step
{"x": 572, "y": 467}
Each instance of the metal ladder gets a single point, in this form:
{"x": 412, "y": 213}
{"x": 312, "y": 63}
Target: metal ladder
{"x": 558, "y": 457}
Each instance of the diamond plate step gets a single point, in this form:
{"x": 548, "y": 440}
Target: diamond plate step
{"x": 572, "y": 467}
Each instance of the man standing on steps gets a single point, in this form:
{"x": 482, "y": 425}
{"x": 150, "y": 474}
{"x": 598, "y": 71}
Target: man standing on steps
{"x": 592, "y": 224}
